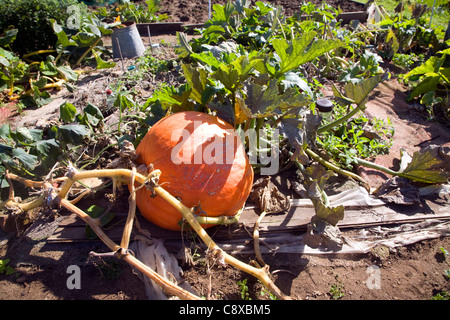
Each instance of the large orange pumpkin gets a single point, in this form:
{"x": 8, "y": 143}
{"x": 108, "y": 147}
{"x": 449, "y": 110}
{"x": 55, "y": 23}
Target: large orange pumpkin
{"x": 202, "y": 163}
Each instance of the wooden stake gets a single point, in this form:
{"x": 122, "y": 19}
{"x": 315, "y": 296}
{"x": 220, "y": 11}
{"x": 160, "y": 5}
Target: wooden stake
{"x": 149, "y": 39}
{"x": 120, "y": 53}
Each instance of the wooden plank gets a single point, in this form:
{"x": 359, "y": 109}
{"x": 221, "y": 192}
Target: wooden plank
{"x": 294, "y": 221}
{"x": 73, "y": 229}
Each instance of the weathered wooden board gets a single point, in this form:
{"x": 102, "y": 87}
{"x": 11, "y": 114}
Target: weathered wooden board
{"x": 294, "y": 221}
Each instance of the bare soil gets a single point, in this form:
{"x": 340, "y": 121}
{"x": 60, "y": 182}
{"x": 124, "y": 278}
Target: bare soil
{"x": 196, "y": 11}
{"x": 413, "y": 272}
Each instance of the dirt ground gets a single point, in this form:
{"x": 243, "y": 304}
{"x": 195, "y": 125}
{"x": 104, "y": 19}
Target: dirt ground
{"x": 196, "y": 11}
{"x": 41, "y": 269}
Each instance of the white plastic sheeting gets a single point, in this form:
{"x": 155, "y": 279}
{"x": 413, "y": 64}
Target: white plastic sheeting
{"x": 153, "y": 253}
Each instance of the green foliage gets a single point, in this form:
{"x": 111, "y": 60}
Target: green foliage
{"x": 74, "y": 41}
{"x": 13, "y": 71}
{"x": 301, "y": 50}
{"x": 337, "y": 290}
{"x": 430, "y": 83}
{"x": 91, "y": 116}
{"x": 429, "y": 165}
{"x": 359, "y": 137}
{"x": 75, "y": 45}
{"x": 243, "y": 289}
{"x": 408, "y": 61}
{"x": 441, "y": 296}
{"x": 32, "y": 19}
{"x": 250, "y": 83}
{"x": 29, "y": 152}
{"x": 29, "y": 81}
{"x": 367, "y": 66}
{"x": 32, "y": 152}
{"x": 7, "y": 269}
{"x": 406, "y": 30}
{"x": 150, "y": 64}
{"x": 143, "y": 12}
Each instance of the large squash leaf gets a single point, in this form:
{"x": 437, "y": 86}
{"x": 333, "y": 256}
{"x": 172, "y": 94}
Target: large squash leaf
{"x": 266, "y": 100}
{"x": 432, "y": 165}
{"x": 359, "y": 92}
{"x": 197, "y": 79}
{"x": 302, "y": 50}
{"x": 27, "y": 160}
{"x": 72, "y": 134}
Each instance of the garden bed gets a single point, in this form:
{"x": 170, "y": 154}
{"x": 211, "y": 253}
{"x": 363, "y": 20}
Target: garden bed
{"x": 186, "y": 16}
{"x": 196, "y": 12}
{"x": 413, "y": 272}
{"x": 412, "y": 269}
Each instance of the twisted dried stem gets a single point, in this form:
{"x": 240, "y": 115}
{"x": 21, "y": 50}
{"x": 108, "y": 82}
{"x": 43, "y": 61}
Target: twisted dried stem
{"x": 120, "y": 250}
{"x": 125, "y": 176}
{"x": 256, "y": 238}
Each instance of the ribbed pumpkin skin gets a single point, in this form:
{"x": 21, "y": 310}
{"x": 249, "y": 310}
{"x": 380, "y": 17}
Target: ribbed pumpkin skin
{"x": 219, "y": 189}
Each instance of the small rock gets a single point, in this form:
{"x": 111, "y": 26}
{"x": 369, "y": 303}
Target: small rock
{"x": 21, "y": 279}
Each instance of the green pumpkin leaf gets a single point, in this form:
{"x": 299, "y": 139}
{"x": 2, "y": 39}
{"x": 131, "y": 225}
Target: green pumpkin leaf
{"x": 431, "y": 165}
{"x": 431, "y": 65}
{"x": 68, "y": 73}
{"x": 266, "y": 100}
{"x": 28, "y": 161}
{"x": 63, "y": 40}
{"x": 5, "y": 132}
{"x": 197, "y": 79}
{"x": 207, "y": 58}
{"x": 67, "y": 112}
{"x": 228, "y": 76}
{"x": 5, "y": 153}
{"x": 8, "y": 37}
{"x": 428, "y": 84}
{"x": 359, "y": 92}
{"x": 48, "y": 152}
{"x": 73, "y": 134}
{"x": 92, "y": 115}
{"x": 293, "y": 80}
{"x": 102, "y": 64}
{"x": 185, "y": 48}
{"x": 302, "y": 50}
{"x": 27, "y": 136}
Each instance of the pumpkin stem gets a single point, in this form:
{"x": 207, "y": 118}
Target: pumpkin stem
{"x": 220, "y": 220}
{"x": 121, "y": 252}
{"x": 124, "y": 176}
{"x": 256, "y": 238}
{"x": 335, "y": 168}
{"x": 259, "y": 273}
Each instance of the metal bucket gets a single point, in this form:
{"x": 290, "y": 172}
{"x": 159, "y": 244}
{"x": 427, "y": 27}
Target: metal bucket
{"x": 127, "y": 42}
